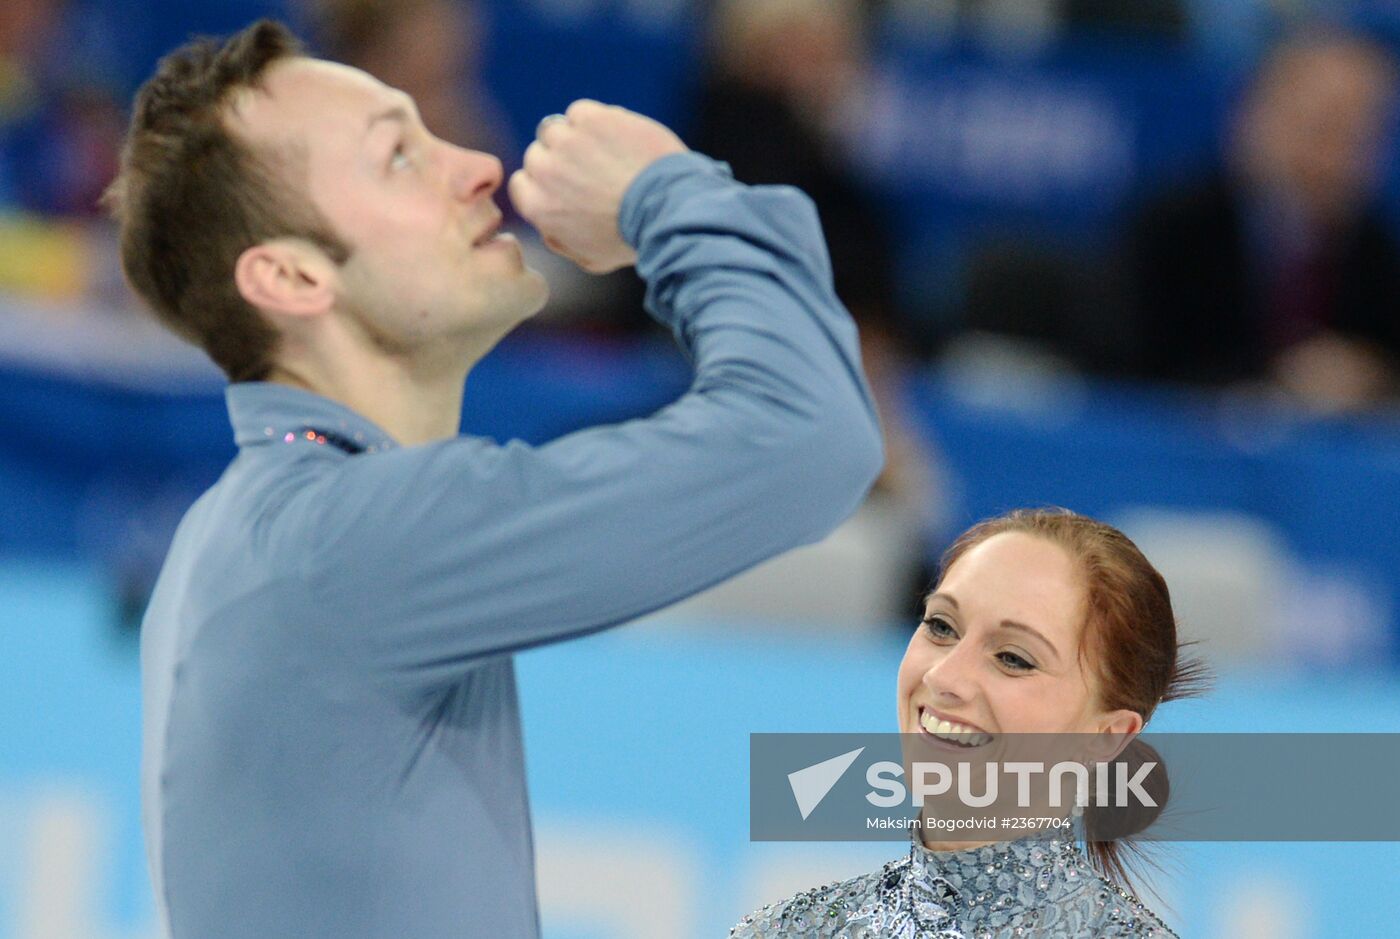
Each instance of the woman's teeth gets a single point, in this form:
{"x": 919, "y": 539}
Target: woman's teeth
{"x": 953, "y": 733}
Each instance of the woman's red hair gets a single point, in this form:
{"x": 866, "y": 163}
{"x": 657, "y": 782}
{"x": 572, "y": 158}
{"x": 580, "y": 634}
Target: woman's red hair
{"x": 1130, "y": 643}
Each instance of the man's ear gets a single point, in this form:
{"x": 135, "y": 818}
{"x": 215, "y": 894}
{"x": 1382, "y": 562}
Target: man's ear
{"x": 287, "y": 276}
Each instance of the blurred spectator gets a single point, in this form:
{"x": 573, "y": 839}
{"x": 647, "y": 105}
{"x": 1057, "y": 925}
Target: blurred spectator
{"x": 60, "y": 130}
{"x": 26, "y": 27}
{"x": 1165, "y": 18}
{"x": 1279, "y": 267}
{"x": 428, "y": 48}
{"x": 784, "y": 80}
{"x": 783, "y": 74}
{"x": 60, "y": 122}
{"x": 1031, "y": 23}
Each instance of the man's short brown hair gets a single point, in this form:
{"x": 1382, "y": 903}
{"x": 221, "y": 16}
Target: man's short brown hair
{"x": 191, "y": 197}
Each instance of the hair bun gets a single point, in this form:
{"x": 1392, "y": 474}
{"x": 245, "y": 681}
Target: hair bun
{"x": 1111, "y": 821}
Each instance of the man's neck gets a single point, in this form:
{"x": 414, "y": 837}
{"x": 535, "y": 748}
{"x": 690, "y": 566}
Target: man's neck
{"x": 411, "y": 407}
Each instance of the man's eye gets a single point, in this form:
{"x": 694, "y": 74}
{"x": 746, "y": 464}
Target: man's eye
{"x": 400, "y": 160}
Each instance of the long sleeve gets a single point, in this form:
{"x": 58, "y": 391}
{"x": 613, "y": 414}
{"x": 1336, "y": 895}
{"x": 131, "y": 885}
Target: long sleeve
{"x": 427, "y": 558}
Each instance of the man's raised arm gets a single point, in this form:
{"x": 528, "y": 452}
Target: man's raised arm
{"x": 463, "y": 548}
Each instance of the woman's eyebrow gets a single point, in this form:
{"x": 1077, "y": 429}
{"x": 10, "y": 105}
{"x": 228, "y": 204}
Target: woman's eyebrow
{"x": 1012, "y": 624}
{"x": 1004, "y": 624}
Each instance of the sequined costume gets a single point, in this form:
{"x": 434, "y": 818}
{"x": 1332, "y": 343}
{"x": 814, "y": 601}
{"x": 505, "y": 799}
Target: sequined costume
{"x": 1040, "y": 887}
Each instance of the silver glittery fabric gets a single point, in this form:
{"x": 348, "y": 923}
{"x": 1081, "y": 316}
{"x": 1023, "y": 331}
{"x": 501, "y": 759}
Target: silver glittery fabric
{"x": 1042, "y": 887}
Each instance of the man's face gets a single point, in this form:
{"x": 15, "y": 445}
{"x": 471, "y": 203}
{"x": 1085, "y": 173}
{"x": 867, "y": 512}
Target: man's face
{"x": 417, "y": 213}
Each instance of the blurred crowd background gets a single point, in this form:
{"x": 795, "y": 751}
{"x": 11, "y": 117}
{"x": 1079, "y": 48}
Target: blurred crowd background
{"x": 1141, "y": 259}
{"x": 1190, "y": 191}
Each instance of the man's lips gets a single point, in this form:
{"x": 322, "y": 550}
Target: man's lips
{"x": 489, "y": 232}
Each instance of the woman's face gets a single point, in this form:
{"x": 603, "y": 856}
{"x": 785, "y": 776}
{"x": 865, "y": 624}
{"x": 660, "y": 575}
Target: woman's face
{"x": 998, "y": 651}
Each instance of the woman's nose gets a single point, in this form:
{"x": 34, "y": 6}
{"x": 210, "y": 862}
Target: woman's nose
{"x": 953, "y": 675}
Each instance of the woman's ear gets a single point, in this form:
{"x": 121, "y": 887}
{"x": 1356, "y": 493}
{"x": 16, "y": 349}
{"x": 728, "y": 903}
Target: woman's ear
{"x": 1115, "y": 730}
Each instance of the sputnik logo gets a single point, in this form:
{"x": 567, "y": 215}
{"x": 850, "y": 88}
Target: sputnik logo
{"x": 811, "y": 785}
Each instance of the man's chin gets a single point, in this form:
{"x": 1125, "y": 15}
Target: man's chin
{"x": 539, "y": 293}
{"x": 525, "y": 300}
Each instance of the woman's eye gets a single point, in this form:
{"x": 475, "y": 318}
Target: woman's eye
{"x": 1015, "y": 662}
{"x": 938, "y": 627}
{"x": 399, "y": 160}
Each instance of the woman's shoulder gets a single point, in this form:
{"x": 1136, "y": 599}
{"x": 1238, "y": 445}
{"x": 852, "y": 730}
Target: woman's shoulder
{"x": 897, "y": 899}
{"x": 1112, "y": 911}
{"x": 820, "y": 913}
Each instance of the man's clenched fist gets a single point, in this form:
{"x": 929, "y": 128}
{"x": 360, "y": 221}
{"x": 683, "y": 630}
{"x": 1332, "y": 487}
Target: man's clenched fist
{"x": 575, "y": 174}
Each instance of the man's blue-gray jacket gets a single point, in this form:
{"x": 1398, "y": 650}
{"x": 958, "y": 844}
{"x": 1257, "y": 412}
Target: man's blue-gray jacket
{"x": 332, "y": 732}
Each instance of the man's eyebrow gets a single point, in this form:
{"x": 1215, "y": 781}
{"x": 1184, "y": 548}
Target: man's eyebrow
{"x": 404, "y": 109}
{"x": 395, "y": 113}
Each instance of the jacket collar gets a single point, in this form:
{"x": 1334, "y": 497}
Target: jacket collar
{"x": 268, "y": 412}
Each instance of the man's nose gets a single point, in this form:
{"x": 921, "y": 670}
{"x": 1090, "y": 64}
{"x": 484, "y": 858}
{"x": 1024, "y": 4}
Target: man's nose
{"x": 474, "y": 174}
